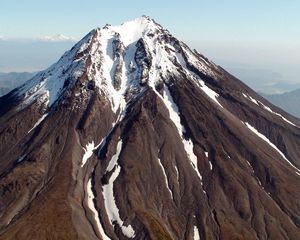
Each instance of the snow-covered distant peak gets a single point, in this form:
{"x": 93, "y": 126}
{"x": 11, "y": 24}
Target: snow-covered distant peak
{"x": 57, "y": 38}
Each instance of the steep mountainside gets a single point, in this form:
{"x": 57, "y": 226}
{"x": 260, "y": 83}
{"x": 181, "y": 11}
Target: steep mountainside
{"x": 288, "y": 101}
{"x": 132, "y": 135}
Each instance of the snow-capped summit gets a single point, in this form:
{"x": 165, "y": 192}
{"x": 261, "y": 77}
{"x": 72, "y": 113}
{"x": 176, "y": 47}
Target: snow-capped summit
{"x": 119, "y": 60}
{"x": 131, "y": 31}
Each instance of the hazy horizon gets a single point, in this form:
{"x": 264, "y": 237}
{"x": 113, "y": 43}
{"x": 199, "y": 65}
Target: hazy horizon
{"x": 255, "y": 40}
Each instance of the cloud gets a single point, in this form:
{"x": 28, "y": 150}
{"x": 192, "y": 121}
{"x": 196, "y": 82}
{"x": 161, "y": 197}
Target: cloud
{"x": 48, "y": 38}
{"x": 57, "y": 38}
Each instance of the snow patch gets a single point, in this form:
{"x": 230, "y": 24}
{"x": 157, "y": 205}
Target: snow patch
{"x": 115, "y": 157}
{"x": 277, "y": 114}
{"x": 132, "y": 31}
{"x": 250, "y": 166}
{"x": 210, "y": 93}
{"x": 196, "y": 233}
{"x": 174, "y": 116}
{"x": 188, "y": 146}
{"x": 88, "y": 152}
{"x": 210, "y": 165}
{"x": 109, "y": 199}
{"x": 250, "y": 98}
{"x": 263, "y": 137}
{"x": 259, "y": 183}
{"x": 177, "y": 173}
{"x": 91, "y": 205}
{"x": 38, "y": 122}
{"x": 203, "y": 66}
{"x": 166, "y": 178}
{"x": 173, "y": 110}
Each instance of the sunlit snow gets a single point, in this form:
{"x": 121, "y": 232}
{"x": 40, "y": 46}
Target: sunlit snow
{"x": 250, "y": 98}
{"x": 175, "y": 117}
{"x": 210, "y": 93}
{"x": 108, "y": 194}
{"x": 91, "y": 205}
{"x": 38, "y": 122}
{"x": 196, "y": 233}
{"x": 166, "y": 178}
{"x": 88, "y": 152}
{"x": 277, "y": 114}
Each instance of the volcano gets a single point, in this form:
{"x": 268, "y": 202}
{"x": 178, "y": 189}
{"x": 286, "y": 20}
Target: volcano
{"x": 133, "y": 135}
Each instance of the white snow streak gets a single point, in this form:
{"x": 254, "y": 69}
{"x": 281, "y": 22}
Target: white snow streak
{"x": 203, "y": 65}
{"x": 91, "y": 205}
{"x": 109, "y": 199}
{"x": 173, "y": 110}
{"x": 250, "y": 166}
{"x": 188, "y": 146}
{"x": 174, "y": 116}
{"x": 115, "y": 157}
{"x": 21, "y": 159}
{"x": 38, "y": 122}
{"x": 271, "y": 144}
{"x": 277, "y": 114}
{"x": 259, "y": 183}
{"x": 107, "y": 67}
{"x": 196, "y": 233}
{"x": 209, "y": 92}
{"x": 267, "y": 108}
{"x": 102, "y": 54}
{"x": 250, "y": 98}
{"x": 88, "y": 152}
{"x": 177, "y": 173}
{"x": 210, "y": 165}
{"x": 209, "y": 162}
{"x": 166, "y": 178}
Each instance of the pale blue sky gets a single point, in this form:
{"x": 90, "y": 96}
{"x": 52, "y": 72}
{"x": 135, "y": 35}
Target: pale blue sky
{"x": 255, "y": 20}
{"x": 256, "y": 34}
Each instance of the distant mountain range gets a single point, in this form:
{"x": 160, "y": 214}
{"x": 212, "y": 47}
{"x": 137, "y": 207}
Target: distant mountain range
{"x": 9, "y": 81}
{"x": 288, "y": 101}
{"x": 264, "y": 80}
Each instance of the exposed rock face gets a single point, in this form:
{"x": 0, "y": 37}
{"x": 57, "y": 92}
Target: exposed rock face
{"x": 118, "y": 54}
{"x": 143, "y": 60}
{"x": 133, "y": 135}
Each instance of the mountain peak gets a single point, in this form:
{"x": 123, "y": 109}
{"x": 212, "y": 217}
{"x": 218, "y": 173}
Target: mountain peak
{"x": 119, "y": 60}
{"x": 131, "y": 31}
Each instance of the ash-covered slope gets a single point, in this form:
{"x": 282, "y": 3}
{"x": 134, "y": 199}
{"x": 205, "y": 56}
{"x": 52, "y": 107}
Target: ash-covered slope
{"x": 131, "y": 135}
